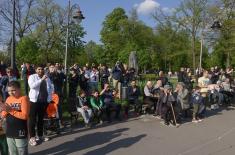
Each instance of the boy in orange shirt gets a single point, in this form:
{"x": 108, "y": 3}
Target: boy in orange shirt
{"x": 16, "y": 111}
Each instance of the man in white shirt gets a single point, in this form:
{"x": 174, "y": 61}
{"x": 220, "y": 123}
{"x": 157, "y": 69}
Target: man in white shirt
{"x": 40, "y": 95}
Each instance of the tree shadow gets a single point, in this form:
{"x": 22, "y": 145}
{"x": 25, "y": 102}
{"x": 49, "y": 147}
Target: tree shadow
{"x": 83, "y": 142}
{"x": 123, "y": 143}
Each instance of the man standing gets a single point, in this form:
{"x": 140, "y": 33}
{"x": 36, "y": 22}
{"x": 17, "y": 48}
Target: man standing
{"x": 57, "y": 78}
{"x": 40, "y": 95}
{"x": 27, "y": 71}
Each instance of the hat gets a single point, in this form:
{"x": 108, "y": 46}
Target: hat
{"x": 167, "y": 87}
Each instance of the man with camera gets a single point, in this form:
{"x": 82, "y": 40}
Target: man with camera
{"x": 168, "y": 102}
{"x": 108, "y": 96}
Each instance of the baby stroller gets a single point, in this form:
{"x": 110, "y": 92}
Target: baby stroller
{"x": 51, "y": 119}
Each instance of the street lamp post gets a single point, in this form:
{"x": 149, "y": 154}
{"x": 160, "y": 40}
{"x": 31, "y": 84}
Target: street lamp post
{"x": 79, "y": 17}
{"x": 215, "y": 25}
{"x": 13, "y": 48}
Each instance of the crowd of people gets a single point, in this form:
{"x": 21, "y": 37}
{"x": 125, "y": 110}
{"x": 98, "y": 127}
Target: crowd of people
{"x": 22, "y": 116}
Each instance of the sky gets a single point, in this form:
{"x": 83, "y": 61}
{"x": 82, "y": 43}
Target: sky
{"x": 95, "y": 12}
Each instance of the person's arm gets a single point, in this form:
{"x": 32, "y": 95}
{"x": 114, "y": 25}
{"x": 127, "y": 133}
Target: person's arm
{"x": 93, "y": 103}
{"x": 146, "y": 91}
{"x": 184, "y": 94}
{"x": 101, "y": 102}
{"x": 24, "y": 113}
{"x": 32, "y": 83}
{"x": 102, "y": 92}
{"x": 80, "y": 101}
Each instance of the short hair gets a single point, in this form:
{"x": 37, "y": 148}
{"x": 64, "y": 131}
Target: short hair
{"x": 15, "y": 84}
{"x": 197, "y": 88}
{"x": 40, "y": 66}
{"x": 82, "y": 92}
{"x": 94, "y": 91}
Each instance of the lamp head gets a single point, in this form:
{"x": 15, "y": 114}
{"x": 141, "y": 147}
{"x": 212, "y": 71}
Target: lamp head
{"x": 216, "y": 25}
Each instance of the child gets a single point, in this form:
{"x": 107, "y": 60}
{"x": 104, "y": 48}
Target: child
{"x": 3, "y": 140}
{"x": 16, "y": 111}
{"x": 84, "y": 108}
{"x": 197, "y": 101}
{"x": 97, "y": 105}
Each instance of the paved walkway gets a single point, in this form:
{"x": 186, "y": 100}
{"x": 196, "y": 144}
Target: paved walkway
{"x": 146, "y": 136}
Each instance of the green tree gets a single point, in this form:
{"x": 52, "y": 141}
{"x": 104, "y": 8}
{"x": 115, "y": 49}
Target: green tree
{"x": 27, "y": 50}
{"x": 111, "y": 35}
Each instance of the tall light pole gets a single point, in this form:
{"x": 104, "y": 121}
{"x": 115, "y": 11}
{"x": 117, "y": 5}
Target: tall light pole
{"x": 79, "y": 17}
{"x": 215, "y": 25}
{"x": 13, "y": 48}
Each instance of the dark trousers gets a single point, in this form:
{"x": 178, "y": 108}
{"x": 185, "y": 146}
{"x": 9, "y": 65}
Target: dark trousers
{"x": 3, "y": 145}
{"x": 26, "y": 86}
{"x": 151, "y": 103}
{"x": 36, "y": 115}
{"x": 159, "y": 108}
{"x": 112, "y": 106}
{"x": 167, "y": 114}
{"x": 137, "y": 106}
{"x": 98, "y": 113}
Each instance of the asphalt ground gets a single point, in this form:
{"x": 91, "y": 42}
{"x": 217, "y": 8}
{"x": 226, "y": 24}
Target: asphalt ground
{"x": 145, "y": 135}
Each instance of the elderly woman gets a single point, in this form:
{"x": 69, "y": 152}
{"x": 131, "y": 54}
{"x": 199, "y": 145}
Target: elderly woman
{"x": 183, "y": 97}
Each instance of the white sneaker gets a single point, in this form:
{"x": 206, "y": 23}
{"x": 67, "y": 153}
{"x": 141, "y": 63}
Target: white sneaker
{"x": 43, "y": 139}
{"x": 32, "y": 141}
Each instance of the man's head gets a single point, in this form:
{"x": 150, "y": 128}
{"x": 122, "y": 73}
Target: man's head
{"x": 95, "y": 93}
{"x": 133, "y": 83}
{"x": 52, "y": 68}
{"x": 9, "y": 71}
{"x": 40, "y": 70}
{"x": 149, "y": 84}
{"x": 205, "y": 74}
{"x": 82, "y": 93}
{"x": 14, "y": 88}
{"x": 159, "y": 83}
{"x": 168, "y": 88}
{"x": 180, "y": 85}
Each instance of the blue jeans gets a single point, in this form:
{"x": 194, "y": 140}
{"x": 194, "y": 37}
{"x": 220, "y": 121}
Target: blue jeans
{"x": 17, "y": 146}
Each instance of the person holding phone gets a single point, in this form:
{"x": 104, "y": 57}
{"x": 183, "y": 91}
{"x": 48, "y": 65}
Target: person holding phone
{"x": 40, "y": 95}
{"x": 16, "y": 112}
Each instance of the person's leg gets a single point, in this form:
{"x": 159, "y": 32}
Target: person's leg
{"x": 41, "y": 112}
{"x": 115, "y": 84}
{"x": 12, "y": 146}
{"x": 117, "y": 108}
{"x": 32, "y": 119}
{"x": 164, "y": 114}
{"x": 108, "y": 112}
{"x": 22, "y": 146}
{"x": 26, "y": 85}
{"x": 3, "y": 145}
{"x": 60, "y": 107}
{"x": 89, "y": 114}
{"x": 195, "y": 111}
{"x": 83, "y": 113}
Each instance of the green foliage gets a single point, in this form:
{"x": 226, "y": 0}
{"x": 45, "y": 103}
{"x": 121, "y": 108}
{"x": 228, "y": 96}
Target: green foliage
{"x": 27, "y": 50}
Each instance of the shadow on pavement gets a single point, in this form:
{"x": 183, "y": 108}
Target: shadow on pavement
{"x": 123, "y": 143}
{"x": 91, "y": 140}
